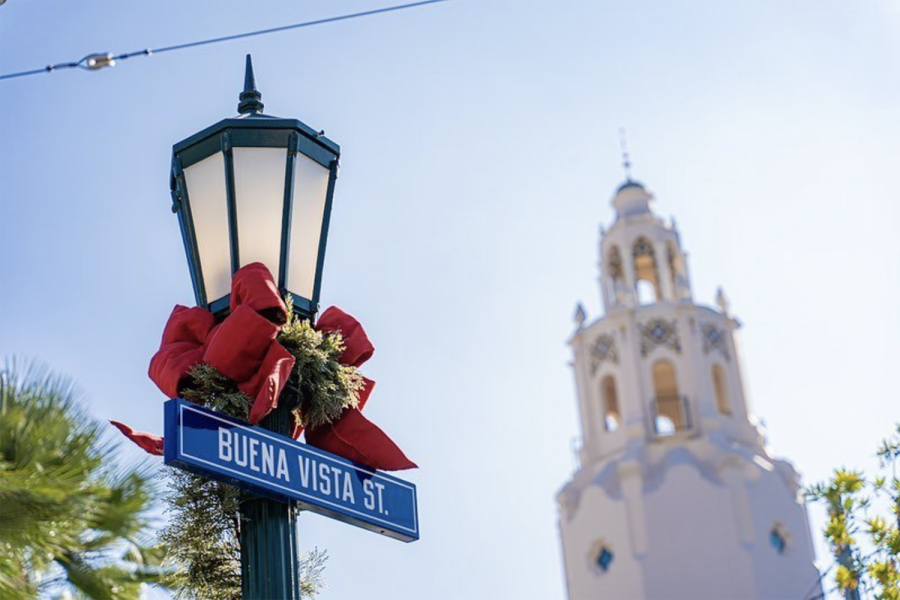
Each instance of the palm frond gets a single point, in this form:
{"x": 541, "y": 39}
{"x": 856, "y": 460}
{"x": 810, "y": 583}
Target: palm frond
{"x": 70, "y": 510}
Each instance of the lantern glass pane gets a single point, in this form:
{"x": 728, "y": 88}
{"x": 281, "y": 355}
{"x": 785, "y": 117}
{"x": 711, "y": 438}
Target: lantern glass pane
{"x": 307, "y": 213}
{"x": 259, "y": 198}
{"x": 205, "y": 182}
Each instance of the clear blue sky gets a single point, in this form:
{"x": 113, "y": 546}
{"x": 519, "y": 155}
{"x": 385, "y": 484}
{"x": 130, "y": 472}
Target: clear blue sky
{"x": 480, "y": 153}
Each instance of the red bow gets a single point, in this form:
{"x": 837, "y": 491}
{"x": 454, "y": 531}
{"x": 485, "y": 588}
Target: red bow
{"x": 352, "y": 435}
{"x": 243, "y": 348}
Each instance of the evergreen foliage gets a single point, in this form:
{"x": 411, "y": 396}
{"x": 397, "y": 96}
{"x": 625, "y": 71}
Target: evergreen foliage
{"x": 71, "y": 519}
{"x": 210, "y": 388}
{"x": 323, "y": 385}
{"x": 202, "y": 538}
{"x": 311, "y": 567}
{"x": 865, "y": 544}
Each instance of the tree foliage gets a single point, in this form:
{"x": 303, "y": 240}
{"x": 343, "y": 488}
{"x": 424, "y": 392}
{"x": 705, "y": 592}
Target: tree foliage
{"x": 201, "y": 538}
{"x": 865, "y": 543}
{"x": 71, "y": 518}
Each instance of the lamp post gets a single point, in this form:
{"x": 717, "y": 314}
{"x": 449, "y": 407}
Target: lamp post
{"x": 257, "y": 188}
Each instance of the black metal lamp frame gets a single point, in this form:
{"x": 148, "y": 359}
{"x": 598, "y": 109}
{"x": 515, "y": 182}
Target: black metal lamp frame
{"x": 252, "y": 129}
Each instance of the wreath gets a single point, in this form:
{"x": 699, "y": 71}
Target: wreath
{"x": 242, "y": 366}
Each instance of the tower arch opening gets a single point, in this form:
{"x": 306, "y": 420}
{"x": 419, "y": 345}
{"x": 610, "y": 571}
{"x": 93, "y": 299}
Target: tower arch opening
{"x": 677, "y": 271}
{"x": 615, "y": 277}
{"x": 720, "y": 388}
{"x": 609, "y": 398}
{"x": 646, "y": 273}
{"x": 669, "y": 409}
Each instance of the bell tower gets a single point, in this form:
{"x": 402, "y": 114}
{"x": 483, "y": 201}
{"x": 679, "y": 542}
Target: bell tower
{"x": 676, "y": 495}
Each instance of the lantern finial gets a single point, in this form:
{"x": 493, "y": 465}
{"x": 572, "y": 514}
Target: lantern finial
{"x": 251, "y": 99}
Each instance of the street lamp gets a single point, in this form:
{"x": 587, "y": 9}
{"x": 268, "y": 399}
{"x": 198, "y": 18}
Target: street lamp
{"x": 255, "y": 188}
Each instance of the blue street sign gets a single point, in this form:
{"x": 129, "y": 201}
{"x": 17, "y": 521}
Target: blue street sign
{"x": 220, "y": 447}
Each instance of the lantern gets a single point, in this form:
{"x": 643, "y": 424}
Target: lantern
{"x": 255, "y": 188}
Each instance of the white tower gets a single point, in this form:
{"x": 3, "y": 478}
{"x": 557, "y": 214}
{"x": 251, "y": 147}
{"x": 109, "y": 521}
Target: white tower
{"x": 676, "y": 496}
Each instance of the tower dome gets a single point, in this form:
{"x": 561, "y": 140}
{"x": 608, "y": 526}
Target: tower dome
{"x": 641, "y": 259}
{"x": 632, "y": 199}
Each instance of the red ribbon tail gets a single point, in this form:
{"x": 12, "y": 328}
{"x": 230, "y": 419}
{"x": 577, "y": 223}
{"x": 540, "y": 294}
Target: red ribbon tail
{"x": 365, "y": 392}
{"x": 356, "y": 438}
{"x": 150, "y": 443}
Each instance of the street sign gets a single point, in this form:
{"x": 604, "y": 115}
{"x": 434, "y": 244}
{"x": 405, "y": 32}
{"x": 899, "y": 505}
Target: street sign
{"x": 220, "y": 447}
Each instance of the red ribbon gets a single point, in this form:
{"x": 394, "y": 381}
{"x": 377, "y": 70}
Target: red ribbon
{"x": 148, "y": 441}
{"x": 352, "y": 435}
{"x": 243, "y": 348}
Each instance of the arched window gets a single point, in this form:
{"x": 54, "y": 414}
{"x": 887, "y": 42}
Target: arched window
{"x": 669, "y": 410}
{"x": 720, "y": 387}
{"x": 645, "y": 271}
{"x": 610, "y": 398}
{"x": 664, "y": 382}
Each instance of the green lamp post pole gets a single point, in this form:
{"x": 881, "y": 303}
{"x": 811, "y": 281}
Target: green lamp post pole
{"x": 270, "y": 567}
{"x": 257, "y": 188}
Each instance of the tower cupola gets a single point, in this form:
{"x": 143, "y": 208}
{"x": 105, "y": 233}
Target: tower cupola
{"x": 641, "y": 259}
{"x": 632, "y": 199}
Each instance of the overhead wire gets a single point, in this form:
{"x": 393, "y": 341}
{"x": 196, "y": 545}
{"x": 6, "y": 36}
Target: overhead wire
{"x": 94, "y": 62}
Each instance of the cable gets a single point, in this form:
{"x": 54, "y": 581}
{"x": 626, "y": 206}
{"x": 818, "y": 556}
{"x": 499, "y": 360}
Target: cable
{"x": 93, "y": 62}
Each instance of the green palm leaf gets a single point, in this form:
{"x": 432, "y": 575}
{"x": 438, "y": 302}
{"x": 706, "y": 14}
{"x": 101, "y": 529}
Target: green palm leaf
{"x": 70, "y": 514}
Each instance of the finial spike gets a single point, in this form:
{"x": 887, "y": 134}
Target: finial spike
{"x": 251, "y": 99}
{"x": 580, "y": 316}
{"x": 249, "y": 78}
{"x": 722, "y": 301}
{"x": 626, "y": 158}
